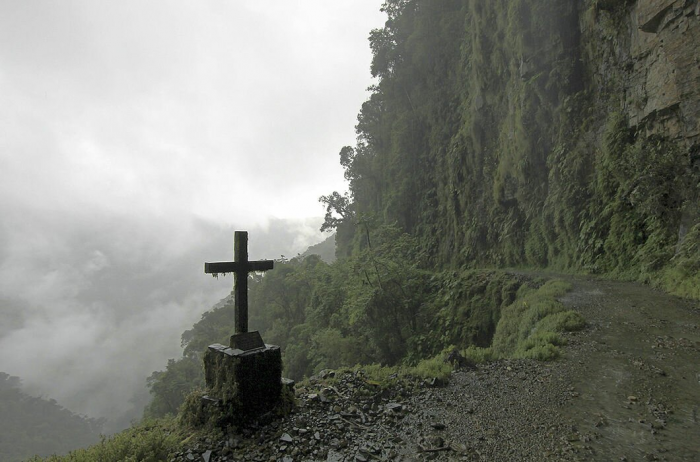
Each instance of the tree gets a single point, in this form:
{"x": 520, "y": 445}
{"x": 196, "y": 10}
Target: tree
{"x": 338, "y": 210}
{"x": 170, "y": 387}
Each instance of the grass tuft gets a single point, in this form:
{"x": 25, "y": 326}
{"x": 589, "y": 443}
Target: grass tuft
{"x": 530, "y": 327}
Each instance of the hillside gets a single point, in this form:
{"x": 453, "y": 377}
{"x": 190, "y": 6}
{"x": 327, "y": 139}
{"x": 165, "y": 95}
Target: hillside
{"x": 33, "y": 425}
{"x": 499, "y": 134}
{"x": 534, "y": 132}
{"x": 325, "y": 249}
{"x": 625, "y": 390}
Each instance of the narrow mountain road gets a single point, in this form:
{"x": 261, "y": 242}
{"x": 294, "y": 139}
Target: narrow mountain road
{"x": 639, "y": 378}
{"x": 626, "y": 389}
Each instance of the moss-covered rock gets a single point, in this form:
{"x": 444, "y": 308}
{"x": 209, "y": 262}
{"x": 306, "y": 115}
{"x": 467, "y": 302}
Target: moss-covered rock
{"x": 244, "y": 384}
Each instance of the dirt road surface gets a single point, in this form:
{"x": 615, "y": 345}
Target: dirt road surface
{"x": 626, "y": 389}
{"x": 639, "y": 380}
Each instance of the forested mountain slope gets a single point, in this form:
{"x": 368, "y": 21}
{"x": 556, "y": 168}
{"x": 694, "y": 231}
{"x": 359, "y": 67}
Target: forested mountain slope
{"x": 32, "y": 425}
{"x": 534, "y": 132}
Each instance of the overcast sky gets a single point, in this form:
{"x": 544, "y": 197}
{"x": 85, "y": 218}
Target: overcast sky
{"x": 224, "y": 109}
{"x": 134, "y": 137}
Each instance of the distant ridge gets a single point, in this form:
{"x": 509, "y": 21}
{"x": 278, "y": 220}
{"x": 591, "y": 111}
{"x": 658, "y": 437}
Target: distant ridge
{"x": 325, "y": 249}
{"x": 32, "y": 425}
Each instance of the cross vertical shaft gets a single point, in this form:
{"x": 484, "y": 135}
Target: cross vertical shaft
{"x": 240, "y": 281}
{"x": 240, "y": 267}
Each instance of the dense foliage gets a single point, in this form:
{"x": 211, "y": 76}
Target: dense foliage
{"x": 482, "y": 139}
{"x": 365, "y": 309}
{"x": 486, "y": 142}
{"x": 32, "y": 425}
{"x": 378, "y": 306}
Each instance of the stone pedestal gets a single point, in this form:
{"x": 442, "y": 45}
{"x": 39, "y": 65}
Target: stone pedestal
{"x": 246, "y": 384}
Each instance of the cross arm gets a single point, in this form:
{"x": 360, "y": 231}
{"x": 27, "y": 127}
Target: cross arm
{"x": 233, "y": 266}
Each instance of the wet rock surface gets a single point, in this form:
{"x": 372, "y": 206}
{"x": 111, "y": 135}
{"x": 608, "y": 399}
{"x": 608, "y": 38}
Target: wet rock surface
{"x": 639, "y": 374}
{"x": 500, "y": 409}
{"x": 627, "y": 388}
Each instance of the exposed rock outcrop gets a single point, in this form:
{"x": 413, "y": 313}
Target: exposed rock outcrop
{"x": 650, "y": 57}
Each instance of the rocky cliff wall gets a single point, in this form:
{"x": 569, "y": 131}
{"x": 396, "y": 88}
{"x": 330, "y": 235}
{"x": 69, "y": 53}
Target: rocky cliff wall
{"x": 648, "y": 54}
{"x": 538, "y": 133}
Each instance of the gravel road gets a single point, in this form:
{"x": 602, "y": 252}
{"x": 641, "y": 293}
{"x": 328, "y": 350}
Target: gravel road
{"x": 626, "y": 389}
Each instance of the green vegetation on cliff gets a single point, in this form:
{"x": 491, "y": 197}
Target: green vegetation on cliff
{"x": 149, "y": 441}
{"x": 378, "y": 307}
{"x": 490, "y": 140}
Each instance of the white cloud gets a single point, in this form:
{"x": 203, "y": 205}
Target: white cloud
{"x": 175, "y": 106}
{"x": 122, "y": 121}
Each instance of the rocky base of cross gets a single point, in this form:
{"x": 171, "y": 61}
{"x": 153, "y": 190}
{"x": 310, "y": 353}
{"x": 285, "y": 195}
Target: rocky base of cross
{"x": 242, "y": 386}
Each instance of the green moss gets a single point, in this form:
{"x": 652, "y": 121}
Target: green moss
{"x": 436, "y": 367}
{"x": 562, "y": 321}
{"x": 540, "y": 352}
{"x": 553, "y": 288}
{"x": 196, "y": 414}
{"x": 682, "y": 276}
{"x": 530, "y": 327}
{"x": 380, "y": 375}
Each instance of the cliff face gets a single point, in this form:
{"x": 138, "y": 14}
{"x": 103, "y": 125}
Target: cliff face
{"x": 649, "y": 60}
{"x": 656, "y": 57}
{"x": 535, "y": 132}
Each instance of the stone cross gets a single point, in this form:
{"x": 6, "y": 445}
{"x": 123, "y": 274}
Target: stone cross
{"x": 240, "y": 267}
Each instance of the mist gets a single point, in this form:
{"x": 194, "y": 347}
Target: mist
{"x": 92, "y": 305}
{"x": 136, "y": 138}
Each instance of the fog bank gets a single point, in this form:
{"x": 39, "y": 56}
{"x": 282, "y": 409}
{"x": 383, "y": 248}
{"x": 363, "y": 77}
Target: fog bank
{"x": 92, "y": 305}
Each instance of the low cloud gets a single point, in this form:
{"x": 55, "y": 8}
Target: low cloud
{"x": 136, "y": 137}
{"x": 97, "y": 306}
